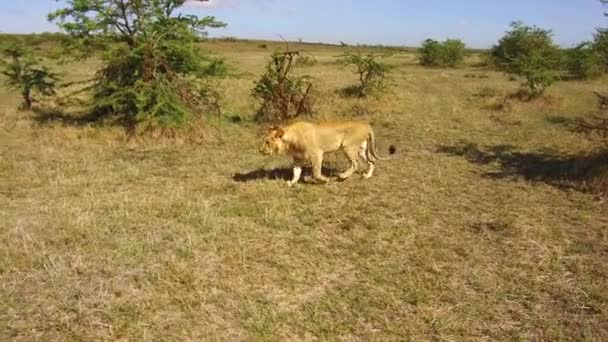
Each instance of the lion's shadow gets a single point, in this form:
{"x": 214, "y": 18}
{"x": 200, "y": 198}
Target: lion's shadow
{"x": 282, "y": 173}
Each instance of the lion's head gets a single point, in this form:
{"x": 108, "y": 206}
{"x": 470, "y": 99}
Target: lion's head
{"x": 273, "y": 142}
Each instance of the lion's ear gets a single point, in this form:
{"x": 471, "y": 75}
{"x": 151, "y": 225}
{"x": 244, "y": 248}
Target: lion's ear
{"x": 279, "y": 133}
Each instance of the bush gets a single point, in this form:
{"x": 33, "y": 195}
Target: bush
{"x": 529, "y": 52}
{"x": 521, "y": 40}
{"x": 450, "y": 53}
{"x": 454, "y": 52}
{"x": 431, "y": 53}
{"x": 538, "y": 70}
{"x": 282, "y": 95}
{"x": 152, "y": 70}
{"x": 372, "y": 73}
{"x": 584, "y": 62}
{"x": 305, "y": 61}
{"x": 600, "y": 46}
{"x": 23, "y": 72}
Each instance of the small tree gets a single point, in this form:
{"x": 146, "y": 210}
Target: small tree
{"x": 450, "y": 53}
{"x": 152, "y": 70}
{"x": 529, "y": 52}
{"x": 23, "y": 72}
{"x": 283, "y": 95}
{"x": 538, "y": 69}
{"x": 372, "y": 74}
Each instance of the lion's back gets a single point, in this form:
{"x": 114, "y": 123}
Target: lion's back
{"x": 327, "y": 136}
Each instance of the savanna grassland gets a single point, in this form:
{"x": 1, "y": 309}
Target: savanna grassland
{"x": 477, "y": 230}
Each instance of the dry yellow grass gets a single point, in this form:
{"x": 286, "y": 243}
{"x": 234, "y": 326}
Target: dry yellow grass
{"x": 472, "y": 233}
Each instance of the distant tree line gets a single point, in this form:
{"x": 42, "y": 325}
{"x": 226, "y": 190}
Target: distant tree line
{"x": 530, "y": 53}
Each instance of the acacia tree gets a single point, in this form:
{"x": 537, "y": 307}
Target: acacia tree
{"x": 283, "y": 95}
{"x": 529, "y": 52}
{"x": 23, "y": 72}
{"x": 152, "y": 70}
{"x": 372, "y": 73}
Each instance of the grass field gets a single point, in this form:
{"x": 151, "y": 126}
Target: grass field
{"x": 477, "y": 230}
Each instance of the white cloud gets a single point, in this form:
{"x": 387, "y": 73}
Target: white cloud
{"x": 213, "y": 3}
{"x": 228, "y": 3}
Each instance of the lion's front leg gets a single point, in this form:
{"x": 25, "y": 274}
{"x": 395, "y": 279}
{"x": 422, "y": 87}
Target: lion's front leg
{"x": 297, "y": 171}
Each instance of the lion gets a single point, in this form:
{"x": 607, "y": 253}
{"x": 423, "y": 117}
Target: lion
{"x": 305, "y": 141}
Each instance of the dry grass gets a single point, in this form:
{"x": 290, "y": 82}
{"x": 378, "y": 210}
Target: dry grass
{"x": 471, "y": 234}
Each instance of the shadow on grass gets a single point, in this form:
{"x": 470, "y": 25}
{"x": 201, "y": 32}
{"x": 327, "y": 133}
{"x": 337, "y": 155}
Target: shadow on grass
{"x": 45, "y": 116}
{"x": 283, "y": 173}
{"x": 550, "y": 167}
{"x": 353, "y": 91}
{"x": 521, "y": 96}
{"x": 557, "y": 119}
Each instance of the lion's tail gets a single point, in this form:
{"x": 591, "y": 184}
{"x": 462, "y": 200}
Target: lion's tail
{"x": 371, "y": 148}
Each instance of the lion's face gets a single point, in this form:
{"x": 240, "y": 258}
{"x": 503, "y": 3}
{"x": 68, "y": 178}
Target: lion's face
{"x": 273, "y": 143}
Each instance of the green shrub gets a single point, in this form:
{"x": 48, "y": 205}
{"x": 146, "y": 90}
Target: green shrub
{"x": 372, "y": 74}
{"x": 584, "y": 62}
{"x": 431, "y": 53}
{"x": 283, "y": 95}
{"x": 538, "y": 69}
{"x": 600, "y": 46}
{"x": 454, "y": 52}
{"x": 450, "y": 53}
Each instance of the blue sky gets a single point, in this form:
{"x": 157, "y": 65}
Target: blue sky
{"x": 396, "y": 22}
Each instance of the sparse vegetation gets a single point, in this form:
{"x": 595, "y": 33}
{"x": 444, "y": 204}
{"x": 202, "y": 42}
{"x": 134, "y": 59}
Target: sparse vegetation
{"x": 25, "y": 73}
{"x": 372, "y": 74}
{"x": 305, "y": 61}
{"x": 282, "y": 94}
{"x": 449, "y": 53}
{"x": 598, "y": 124}
{"x": 489, "y": 226}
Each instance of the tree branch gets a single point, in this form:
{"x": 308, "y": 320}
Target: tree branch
{"x": 124, "y": 27}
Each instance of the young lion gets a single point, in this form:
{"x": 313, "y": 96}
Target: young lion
{"x": 306, "y": 141}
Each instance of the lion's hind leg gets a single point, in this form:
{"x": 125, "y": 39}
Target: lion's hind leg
{"x": 363, "y": 154}
{"x": 352, "y": 154}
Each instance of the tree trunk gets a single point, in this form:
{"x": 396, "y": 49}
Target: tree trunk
{"x": 27, "y": 99}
